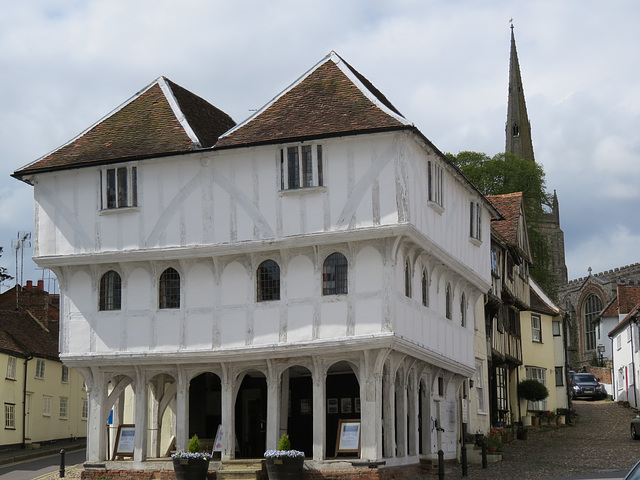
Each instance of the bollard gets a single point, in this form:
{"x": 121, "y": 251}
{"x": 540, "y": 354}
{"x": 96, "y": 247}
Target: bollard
{"x": 484, "y": 455}
{"x": 464, "y": 461}
{"x": 440, "y": 465}
{"x": 62, "y": 463}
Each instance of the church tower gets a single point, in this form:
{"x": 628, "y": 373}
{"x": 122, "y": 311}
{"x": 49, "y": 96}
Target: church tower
{"x": 519, "y": 142}
{"x": 518, "y": 128}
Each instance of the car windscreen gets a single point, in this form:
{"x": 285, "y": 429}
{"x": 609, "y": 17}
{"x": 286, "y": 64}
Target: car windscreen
{"x": 584, "y": 377}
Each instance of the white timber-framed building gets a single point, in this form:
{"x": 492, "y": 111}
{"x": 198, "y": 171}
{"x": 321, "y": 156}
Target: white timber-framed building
{"x": 320, "y": 261}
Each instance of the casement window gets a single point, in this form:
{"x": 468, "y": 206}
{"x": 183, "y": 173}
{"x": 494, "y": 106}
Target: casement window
{"x": 9, "y": 416}
{"x": 621, "y": 379}
{"x": 334, "y": 275}
{"x": 435, "y": 183}
{"x": 539, "y": 374}
{"x": 448, "y": 301}
{"x": 64, "y": 407}
{"x": 618, "y": 341}
{"x": 407, "y": 279}
{"x": 495, "y": 261}
{"x": 478, "y": 384}
{"x": 536, "y": 329}
{"x": 557, "y": 329}
{"x": 46, "y": 406}
{"x": 475, "y": 220}
{"x": 268, "y": 285}
{"x": 11, "y": 367}
{"x": 119, "y": 187}
{"x": 169, "y": 291}
{"x": 425, "y": 288}
{"x": 65, "y": 374}
{"x": 40, "y": 363}
{"x": 592, "y": 307}
{"x": 110, "y": 291}
{"x": 301, "y": 167}
{"x": 85, "y": 409}
{"x": 501, "y": 389}
{"x": 559, "y": 376}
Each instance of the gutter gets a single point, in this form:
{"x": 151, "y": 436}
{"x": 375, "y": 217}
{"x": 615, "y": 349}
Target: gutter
{"x": 24, "y": 403}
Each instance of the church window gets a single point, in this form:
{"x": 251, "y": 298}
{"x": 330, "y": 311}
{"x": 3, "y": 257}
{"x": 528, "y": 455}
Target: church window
{"x": 169, "y": 289}
{"x": 515, "y": 130}
{"x": 592, "y": 307}
{"x": 268, "y": 281}
{"x": 301, "y": 167}
{"x": 110, "y": 291}
{"x": 119, "y": 187}
{"x": 435, "y": 183}
{"x": 334, "y": 274}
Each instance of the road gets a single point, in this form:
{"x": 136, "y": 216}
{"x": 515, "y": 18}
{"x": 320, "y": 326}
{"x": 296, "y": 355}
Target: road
{"x": 35, "y": 468}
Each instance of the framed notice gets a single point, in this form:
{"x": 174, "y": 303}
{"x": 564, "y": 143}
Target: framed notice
{"x": 332, "y": 405}
{"x": 348, "y": 440}
{"x": 345, "y": 405}
{"x": 124, "y": 441}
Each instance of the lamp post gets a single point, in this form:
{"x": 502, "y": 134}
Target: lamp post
{"x": 600, "y": 352}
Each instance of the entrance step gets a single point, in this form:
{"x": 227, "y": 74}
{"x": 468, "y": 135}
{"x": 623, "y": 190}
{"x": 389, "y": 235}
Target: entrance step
{"x": 240, "y": 469}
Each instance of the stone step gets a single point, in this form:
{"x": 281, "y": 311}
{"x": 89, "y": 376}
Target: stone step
{"x": 240, "y": 470}
{"x": 242, "y": 464}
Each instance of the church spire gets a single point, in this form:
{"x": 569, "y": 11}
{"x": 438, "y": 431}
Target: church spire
{"x": 518, "y": 129}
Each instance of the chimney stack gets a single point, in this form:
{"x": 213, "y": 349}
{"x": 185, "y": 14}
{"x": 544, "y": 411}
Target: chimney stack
{"x": 29, "y": 285}
{"x": 41, "y": 285}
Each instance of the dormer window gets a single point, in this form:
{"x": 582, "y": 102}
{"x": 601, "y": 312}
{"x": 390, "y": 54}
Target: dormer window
{"x": 301, "y": 167}
{"x": 119, "y": 187}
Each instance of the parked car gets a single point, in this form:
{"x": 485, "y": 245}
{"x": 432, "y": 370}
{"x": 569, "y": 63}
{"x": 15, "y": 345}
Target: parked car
{"x": 635, "y": 428}
{"x": 634, "y": 473}
{"x": 586, "y": 385}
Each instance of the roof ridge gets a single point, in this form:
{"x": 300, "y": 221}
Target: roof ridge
{"x": 164, "y": 84}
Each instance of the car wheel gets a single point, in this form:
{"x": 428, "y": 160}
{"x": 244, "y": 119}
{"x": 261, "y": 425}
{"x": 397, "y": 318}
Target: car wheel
{"x": 634, "y": 434}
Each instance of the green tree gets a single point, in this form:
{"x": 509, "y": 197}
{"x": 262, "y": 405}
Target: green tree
{"x": 3, "y": 271}
{"x": 508, "y": 173}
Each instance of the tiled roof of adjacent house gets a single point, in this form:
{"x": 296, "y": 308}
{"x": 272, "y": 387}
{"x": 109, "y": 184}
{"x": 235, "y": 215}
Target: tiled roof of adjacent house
{"x": 510, "y": 206}
{"x": 330, "y": 99}
{"x": 540, "y": 302}
{"x": 162, "y": 119}
{"x": 627, "y": 297}
{"x": 22, "y": 335}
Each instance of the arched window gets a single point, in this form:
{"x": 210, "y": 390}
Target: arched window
{"x": 463, "y": 310}
{"x": 110, "y": 291}
{"x": 169, "y": 292}
{"x": 448, "y": 301}
{"x": 592, "y": 307}
{"x": 407, "y": 279}
{"x": 334, "y": 275}
{"x": 268, "y": 281}
{"x": 425, "y": 288}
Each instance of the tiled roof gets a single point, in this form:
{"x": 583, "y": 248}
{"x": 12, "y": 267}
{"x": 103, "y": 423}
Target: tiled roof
{"x": 510, "y": 206}
{"x": 540, "y": 302}
{"x": 611, "y": 310}
{"x": 330, "y": 99}
{"x": 633, "y": 314}
{"x": 22, "y": 335}
{"x": 628, "y": 298}
{"x": 163, "y": 118}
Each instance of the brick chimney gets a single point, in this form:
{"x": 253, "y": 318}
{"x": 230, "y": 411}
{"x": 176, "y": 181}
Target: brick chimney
{"x": 41, "y": 285}
{"x": 29, "y": 285}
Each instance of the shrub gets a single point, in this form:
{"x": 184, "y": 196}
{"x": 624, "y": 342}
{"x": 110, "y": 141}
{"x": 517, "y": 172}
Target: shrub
{"x": 285, "y": 443}
{"x": 194, "y": 445}
{"x": 532, "y": 390}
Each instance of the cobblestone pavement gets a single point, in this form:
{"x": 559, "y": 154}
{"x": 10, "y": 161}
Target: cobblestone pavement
{"x": 598, "y": 441}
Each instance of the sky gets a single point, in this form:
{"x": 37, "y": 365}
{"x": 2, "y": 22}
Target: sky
{"x": 64, "y": 64}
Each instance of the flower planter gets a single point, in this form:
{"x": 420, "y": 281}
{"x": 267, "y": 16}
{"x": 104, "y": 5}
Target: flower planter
{"x": 191, "y": 468}
{"x": 285, "y": 468}
{"x": 560, "y": 420}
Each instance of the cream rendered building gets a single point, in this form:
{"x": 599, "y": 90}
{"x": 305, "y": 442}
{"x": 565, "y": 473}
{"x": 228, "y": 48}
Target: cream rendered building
{"x": 319, "y": 263}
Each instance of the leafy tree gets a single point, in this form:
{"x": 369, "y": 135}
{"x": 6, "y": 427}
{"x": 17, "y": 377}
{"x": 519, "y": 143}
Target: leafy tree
{"x": 3, "y": 271}
{"x": 507, "y": 173}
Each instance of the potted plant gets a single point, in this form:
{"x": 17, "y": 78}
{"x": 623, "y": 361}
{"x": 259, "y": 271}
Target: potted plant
{"x": 494, "y": 441}
{"x": 284, "y": 463}
{"x": 532, "y": 390}
{"x": 192, "y": 464}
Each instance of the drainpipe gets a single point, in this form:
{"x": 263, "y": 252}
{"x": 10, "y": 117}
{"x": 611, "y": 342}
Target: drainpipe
{"x": 24, "y": 403}
{"x": 633, "y": 366}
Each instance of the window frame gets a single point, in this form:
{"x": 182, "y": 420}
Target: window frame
{"x": 12, "y": 365}
{"x": 46, "y": 405}
{"x": 64, "y": 408}
{"x": 435, "y": 185}
{"x": 479, "y": 386}
{"x": 539, "y": 374}
{"x": 268, "y": 281}
{"x": 407, "y": 279}
{"x": 113, "y": 195}
{"x": 64, "y": 375}
{"x": 557, "y": 328}
{"x": 335, "y": 275}
{"x": 85, "y": 409}
{"x": 169, "y": 285}
{"x": 592, "y": 306}
{"x": 110, "y": 297}
{"x": 463, "y": 311}
{"x": 559, "y": 376}
{"x": 425, "y": 288}
{"x": 9, "y": 416}
{"x": 40, "y": 368}
{"x": 301, "y": 166}
{"x": 448, "y": 313}
{"x": 536, "y": 330}
{"x": 475, "y": 221}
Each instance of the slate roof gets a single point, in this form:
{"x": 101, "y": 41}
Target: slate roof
{"x": 510, "y": 206}
{"x": 162, "y": 119}
{"x": 330, "y": 99}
